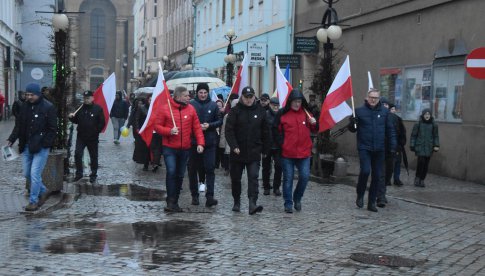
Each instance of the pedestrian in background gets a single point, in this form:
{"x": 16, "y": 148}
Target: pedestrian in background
{"x": 177, "y": 141}
{"x": 273, "y": 159}
{"x": 373, "y": 127}
{"x": 210, "y": 119}
{"x": 223, "y": 142}
{"x": 293, "y": 127}
{"x": 247, "y": 134}
{"x": 18, "y": 103}
{"x": 90, "y": 122}
{"x": 141, "y": 153}
{"x": 424, "y": 141}
{"x": 219, "y": 150}
{"x": 35, "y": 128}
{"x": 118, "y": 114}
{"x": 264, "y": 101}
{"x": 2, "y": 102}
{"x": 394, "y": 167}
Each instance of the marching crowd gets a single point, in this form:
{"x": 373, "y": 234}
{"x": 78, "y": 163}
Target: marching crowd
{"x": 198, "y": 135}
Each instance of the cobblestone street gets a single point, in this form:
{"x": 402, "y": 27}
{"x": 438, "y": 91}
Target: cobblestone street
{"x": 97, "y": 234}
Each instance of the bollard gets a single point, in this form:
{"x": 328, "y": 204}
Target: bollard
{"x": 340, "y": 168}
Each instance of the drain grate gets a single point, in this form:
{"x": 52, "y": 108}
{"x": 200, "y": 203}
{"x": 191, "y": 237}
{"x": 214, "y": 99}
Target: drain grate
{"x": 385, "y": 260}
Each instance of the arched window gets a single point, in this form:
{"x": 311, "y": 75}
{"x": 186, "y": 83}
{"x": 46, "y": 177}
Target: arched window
{"x": 97, "y": 45}
{"x": 96, "y": 78}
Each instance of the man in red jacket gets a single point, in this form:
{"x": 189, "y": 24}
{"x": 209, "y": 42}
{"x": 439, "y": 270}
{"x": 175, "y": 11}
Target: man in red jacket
{"x": 293, "y": 126}
{"x": 177, "y": 141}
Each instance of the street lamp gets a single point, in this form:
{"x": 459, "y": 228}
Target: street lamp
{"x": 166, "y": 64}
{"x": 73, "y": 70}
{"x": 230, "y": 58}
{"x": 330, "y": 30}
{"x": 189, "y": 65}
{"x": 60, "y": 23}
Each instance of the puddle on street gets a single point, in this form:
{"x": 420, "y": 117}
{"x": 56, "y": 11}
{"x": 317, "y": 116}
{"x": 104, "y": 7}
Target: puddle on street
{"x": 147, "y": 244}
{"x": 130, "y": 191}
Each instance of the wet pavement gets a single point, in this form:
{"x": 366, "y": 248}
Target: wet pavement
{"x": 117, "y": 226}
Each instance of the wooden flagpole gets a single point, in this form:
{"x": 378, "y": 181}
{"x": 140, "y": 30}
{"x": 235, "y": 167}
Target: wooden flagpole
{"x": 353, "y": 110}
{"x": 77, "y": 109}
{"x": 170, "y": 108}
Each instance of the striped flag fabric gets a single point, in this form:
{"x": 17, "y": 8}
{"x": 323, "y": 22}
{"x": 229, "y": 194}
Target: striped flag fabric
{"x": 283, "y": 87}
{"x": 334, "y": 108}
{"x": 242, "y": 77}
{"x": 105, "y": 96}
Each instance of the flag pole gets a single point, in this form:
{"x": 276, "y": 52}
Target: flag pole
{"x": 170, "y": 108}
{"x": 228, "y": 96}
{"x": 77, "y": 109}
{"x": 307, "y": 113}
{"x": 353, "y": 110}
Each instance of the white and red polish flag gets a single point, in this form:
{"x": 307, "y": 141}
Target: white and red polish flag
{"x": 283, "y": 87}
{"x": 242, "y": 77}
{"x": 105, "y": 96}
{"x": 160, "y": 97}
{"x": 371, "y": 85}
{"x": 334, "y": 107}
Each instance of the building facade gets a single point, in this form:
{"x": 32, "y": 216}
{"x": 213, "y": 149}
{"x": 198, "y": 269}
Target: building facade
{"x": 415, "y": 51}
{"x": 262, "y": 30}
{"x": 102, "y": 36}
{"x": 11, "y": 54}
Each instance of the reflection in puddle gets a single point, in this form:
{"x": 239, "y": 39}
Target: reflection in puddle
{"x": 130, "y": 191}
{"x": 148, "y": 244}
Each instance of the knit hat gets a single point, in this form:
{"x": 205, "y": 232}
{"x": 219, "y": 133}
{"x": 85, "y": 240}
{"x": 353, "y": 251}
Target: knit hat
{"x": 426, "y": 110}
{"x": 202, "y": 85}
{"x": 384, "y": 100}
{"x": 33, "y": 88}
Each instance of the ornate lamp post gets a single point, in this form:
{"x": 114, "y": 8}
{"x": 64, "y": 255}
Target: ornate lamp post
{"x": 166, "y": 63}
{"x": 189, "y": 65}
{"x": 329, "y": 31}
{"x": 60, "y": 23}
{"x": 230, "y": 58}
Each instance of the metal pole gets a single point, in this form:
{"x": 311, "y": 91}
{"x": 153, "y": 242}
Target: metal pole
{"x": 230, "y": 65}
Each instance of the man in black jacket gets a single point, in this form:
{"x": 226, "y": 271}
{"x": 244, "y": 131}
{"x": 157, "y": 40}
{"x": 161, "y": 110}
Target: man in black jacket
{"x": 119, "y": 114}
{"x": 247, "y": 134}
{"x": 35, "y": 127}
{"x": 210, "y": 119}
{"x": 90, "y": 122}
{"x": 18, "y": 103}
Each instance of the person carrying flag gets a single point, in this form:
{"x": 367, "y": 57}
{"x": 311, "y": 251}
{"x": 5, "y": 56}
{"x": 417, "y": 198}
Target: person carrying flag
{"x": 177, "y": 122}
{"x": 90, "y": 122}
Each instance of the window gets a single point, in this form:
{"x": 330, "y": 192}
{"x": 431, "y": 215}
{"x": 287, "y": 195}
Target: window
{"x": 210, "y": 16}
{"x": 96, "y": 78}
{"x": 233, "y": 8}
{"x": 154, "y": 47}
{"x": 223, "y": 11}
{"x": 154, "y": 8}
{"x": 218, "y": 8}
{"x": 438, "y": 87}
{"x": 97, "y": 36}
{"x": 240, "y": 6}
{"x": 251, "y": 4}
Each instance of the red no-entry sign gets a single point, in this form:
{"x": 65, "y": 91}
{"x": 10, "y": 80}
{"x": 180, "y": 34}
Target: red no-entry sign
{"x": 475, "y": 63}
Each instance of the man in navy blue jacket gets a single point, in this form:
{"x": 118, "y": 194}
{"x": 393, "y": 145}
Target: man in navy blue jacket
{"x": 373, "y": 125}
{"x": 210, "y": 119}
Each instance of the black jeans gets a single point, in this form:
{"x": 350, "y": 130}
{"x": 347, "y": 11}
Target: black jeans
{"x": 204, "y": 162}
{"x": 275, "y": 155}
{"x": 93, "y": 155}
{"x": 422, "y": 167}
{"x": 236, "y": 170}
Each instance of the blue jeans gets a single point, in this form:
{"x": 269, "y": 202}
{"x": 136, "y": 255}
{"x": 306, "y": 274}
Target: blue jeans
{"x": 33, "y": 165}
{"x": 206, "y": 161}
{"x": 370, "y": 161}
{"x": 117, "y": 124}
{"x": 303, "y": 166}
{"x": 176, "y": 163}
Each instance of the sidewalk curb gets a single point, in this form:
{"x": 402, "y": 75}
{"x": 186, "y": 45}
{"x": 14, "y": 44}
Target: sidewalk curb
{"x": 438, "y": 206}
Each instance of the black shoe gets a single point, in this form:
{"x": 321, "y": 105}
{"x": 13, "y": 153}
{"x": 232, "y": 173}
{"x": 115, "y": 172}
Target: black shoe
{"x": 416, "y": 182}
{"x": 398, "y": 183}
{"x": 155, "y": 168}
{"x": 237, "y": 206}
{"x": 421, "y": 183}
{"x": 210, "y": 202}
{"x": 381, "y": 203}
{"x": 388, "y": 183}
{"x": 297, "y": 206}
{"x": 288, "y": 210}
{"x": 43, "y": 198}
{"x": 92, "y": 179}
{"x": 145, "y": 168}
{"x": 77, "y": 178}
{"x": 372, "y": 207}
{"x": 195, "y": 200}
{"x": 254, "y": 208}
{"x": 266, "y": 192}
{"x": 360, "y": 202}
{"x": 277, "y": 192}
{"x": 31, "y": 207}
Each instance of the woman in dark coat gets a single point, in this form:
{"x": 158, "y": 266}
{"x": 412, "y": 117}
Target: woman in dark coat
{"x": 424, "y": 141}
{"x": 141, "y": 154}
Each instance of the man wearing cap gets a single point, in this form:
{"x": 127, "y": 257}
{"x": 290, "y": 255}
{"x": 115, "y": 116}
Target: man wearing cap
{"x": 35, "y": 127}
{"x": 274, "y": 154}
{"x": 247, "y": 134}
{"x": 264, "y": 101}
{"x": 119, "y": 114}
{"x": 210, "y": 119}
{"x": 90, "y": 122}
